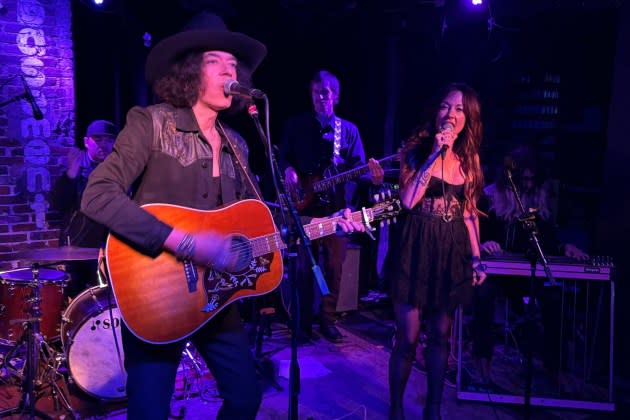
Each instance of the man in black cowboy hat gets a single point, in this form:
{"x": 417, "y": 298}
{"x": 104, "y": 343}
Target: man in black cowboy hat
{"x": 181, "y": 154}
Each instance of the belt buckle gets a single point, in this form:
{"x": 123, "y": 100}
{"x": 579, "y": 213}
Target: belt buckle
{"x": 447, "y": 217}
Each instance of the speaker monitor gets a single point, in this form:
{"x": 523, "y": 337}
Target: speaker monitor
{"x": 349, "y": 288}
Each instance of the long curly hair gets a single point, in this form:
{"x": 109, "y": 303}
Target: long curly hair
{"x": 418, "y": 146}
{"x": 180, "y": 87}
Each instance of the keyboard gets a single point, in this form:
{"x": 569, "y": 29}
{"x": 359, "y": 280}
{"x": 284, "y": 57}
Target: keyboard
{"x": 598, "y": 268}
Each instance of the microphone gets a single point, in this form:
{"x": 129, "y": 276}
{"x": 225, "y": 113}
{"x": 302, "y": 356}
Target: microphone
{"x": 28, "y": 96}
{"x": 232, "y": 87}
{"x": 447, "y": 126}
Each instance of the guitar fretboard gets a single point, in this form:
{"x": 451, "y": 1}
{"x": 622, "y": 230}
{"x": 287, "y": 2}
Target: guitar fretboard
{"x": 273, "y": 242}
{"x": 326, "y": 184}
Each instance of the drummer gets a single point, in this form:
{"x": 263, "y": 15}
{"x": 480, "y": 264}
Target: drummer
{"x": 77, "y": 229}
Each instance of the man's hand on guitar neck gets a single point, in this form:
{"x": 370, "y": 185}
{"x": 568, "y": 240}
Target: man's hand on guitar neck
{"x": 376, "y": 171}
{"x": 209, "y": 249}
{"x": 345, "y": 222}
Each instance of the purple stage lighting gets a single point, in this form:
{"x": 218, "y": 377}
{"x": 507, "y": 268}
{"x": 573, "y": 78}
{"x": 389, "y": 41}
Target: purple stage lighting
{"x": 477, "y": 2}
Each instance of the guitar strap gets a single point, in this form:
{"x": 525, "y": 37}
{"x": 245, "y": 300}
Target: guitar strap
{"x": 337, "y": 142}
{"x": 239, "y": 162}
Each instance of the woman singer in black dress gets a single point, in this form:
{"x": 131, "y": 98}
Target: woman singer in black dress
{"x": 435, "y": 259}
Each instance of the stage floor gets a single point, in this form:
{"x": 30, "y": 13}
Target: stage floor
{"x": 338, "y": 381}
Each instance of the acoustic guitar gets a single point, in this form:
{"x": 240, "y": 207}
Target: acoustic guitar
{"x": 162, "y": 299}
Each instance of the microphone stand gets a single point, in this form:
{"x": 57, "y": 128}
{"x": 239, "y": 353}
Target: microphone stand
{"x": 15, "y": 98}
{"x": 535, "y": 253}
{"x": 290, "y": 237}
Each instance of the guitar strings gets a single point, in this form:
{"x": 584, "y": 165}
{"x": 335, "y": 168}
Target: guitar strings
{"x": 244, "y": 246}
{"x": 251, "y": 243}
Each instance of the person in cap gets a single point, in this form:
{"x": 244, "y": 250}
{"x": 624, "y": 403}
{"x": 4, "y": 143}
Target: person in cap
{"x": 179, "y": 152}
{"x": 76, "y": 229}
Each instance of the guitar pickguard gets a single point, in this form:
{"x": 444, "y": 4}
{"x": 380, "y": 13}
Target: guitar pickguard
{"x": 221, "y": 286}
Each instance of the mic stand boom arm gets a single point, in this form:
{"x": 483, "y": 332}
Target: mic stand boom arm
{"x": 528, "y": 222}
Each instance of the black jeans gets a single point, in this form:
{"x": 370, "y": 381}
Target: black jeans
{"x": 222, "y": 342}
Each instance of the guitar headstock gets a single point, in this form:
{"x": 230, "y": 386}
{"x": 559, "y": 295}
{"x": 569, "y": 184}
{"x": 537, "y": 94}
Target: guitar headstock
{"x": 385, "y": 210}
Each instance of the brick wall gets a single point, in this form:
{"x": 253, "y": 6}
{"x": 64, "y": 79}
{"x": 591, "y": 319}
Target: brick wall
{"x": 36, "y": 43}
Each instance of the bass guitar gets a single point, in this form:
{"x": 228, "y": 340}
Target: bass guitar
{"x": 313, "y": 187}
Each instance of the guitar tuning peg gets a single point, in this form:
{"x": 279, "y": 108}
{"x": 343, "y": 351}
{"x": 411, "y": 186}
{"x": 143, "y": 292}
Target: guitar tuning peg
{"x": 376, "y": 198}
{"x": 389, "y": 193}
{"x": 395, "y": 219}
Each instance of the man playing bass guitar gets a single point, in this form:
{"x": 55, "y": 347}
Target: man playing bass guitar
{"x": 319, "y": 144}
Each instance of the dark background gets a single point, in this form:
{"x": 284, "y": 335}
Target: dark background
{"x": 389, "y": 60}
{"x": 389, "y": 57}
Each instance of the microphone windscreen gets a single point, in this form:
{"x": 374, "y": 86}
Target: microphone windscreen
{"x": 228, "y": 85}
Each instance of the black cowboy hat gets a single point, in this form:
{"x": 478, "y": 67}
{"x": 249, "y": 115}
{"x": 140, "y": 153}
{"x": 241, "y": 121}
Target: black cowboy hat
{"x": 205, "y": 32}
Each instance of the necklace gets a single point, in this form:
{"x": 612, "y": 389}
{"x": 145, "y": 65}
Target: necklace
{"x": 446, "y": 216}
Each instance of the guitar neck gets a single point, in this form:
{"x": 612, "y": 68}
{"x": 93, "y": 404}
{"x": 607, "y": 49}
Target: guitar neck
{"x": 273, "y": 242}
{"x": 329, "y": 226}
{"x": 328, "y": 183}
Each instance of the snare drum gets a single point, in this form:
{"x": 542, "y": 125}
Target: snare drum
{"x": 16, "y": 303}
{"x": 94, "y": 356}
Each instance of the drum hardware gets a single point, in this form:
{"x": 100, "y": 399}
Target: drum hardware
{"x": 192, "y": 380}
{"x": 17, "y": 301}
{"x": 37, "y": 351}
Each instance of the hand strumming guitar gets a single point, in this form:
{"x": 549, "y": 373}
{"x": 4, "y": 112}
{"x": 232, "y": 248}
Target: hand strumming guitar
{"x": 212, "y": 249}
{"x": 208, "y": 249}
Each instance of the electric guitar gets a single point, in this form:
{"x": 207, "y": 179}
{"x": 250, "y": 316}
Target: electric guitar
{"x": 314, "y": 187}
{"x": 162, "y": 299}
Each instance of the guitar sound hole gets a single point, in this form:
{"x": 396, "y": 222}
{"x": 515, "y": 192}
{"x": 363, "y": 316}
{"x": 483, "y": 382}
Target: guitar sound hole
{"x": 241, "y": 246}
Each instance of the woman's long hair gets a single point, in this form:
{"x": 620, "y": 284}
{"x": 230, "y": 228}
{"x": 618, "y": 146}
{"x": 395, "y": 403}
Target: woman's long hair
{"x": 181, "y": 85}
{"x": 418, "y": 146}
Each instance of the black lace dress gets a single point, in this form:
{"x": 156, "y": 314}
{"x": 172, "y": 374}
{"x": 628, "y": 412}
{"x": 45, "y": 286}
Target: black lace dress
{"x": 429, "y": 264}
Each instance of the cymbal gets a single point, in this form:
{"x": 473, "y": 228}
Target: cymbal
{"x": 63, "y": 253}
{"x": 25, "y": 274}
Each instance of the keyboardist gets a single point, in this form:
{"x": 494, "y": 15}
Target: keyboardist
{"x": 502, "y": 232}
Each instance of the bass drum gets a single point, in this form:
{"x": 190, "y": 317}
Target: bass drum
{"x": 90, "y": 335}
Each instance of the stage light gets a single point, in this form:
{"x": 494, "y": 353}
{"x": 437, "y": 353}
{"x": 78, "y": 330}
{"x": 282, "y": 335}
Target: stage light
{"x": 477, "y": 2}
{"x": 147, "y": 39}
{"x": 98, "y": 2}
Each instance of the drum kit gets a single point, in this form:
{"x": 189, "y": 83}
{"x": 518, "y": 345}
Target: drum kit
{"x": 79, "y": 342}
